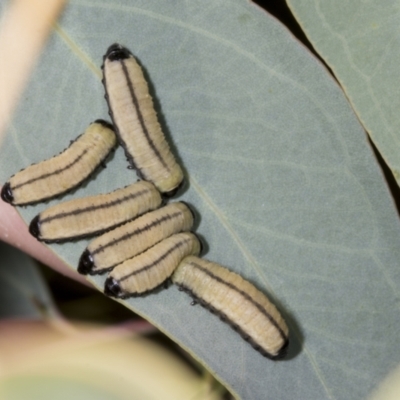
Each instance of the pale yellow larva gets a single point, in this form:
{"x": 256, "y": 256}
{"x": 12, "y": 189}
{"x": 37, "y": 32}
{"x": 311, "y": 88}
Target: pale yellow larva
{"x": 132, "y": 111}
{"x": 148, "y": 271}
{"x": 237, "y": 302}
{"x": 93, "y": 215}
{"x": 63, "y": 172}
{"x": 128, "y": 240}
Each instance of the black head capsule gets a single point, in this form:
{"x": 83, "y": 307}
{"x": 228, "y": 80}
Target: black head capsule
{"x": 7, "y": 194}
{"x": 112, "y": 288}
{"x": 86, "y": 263}
{"x": 34, "y": 227}
{"x": 117, "y": 52}
{"x": 106, "y": 124}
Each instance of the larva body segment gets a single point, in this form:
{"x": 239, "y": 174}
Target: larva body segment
{"x": 128, "y": 240}
{"x": 139, "y": 132}
{"x": 148, "y": 271}
{"x": 92, "y": 215}
{"x": 237, "y": 302}
{"x": 63, "y": 172}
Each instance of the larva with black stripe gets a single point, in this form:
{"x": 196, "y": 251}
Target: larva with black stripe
{"x": 112, "y": 248}
{"x": 63, "y": 172}
{"x": 93, "y": 215}
{"x": 148, "y": 271}
{"x": 132, "y": 111}
{"x": 237, "y": 302}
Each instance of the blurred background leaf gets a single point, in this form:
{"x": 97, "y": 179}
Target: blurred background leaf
{"x": 23, "y": 292}
{"x": 280, "y": 172}
{"x": 92, "y": 362}
{"x": 359, "y": 40}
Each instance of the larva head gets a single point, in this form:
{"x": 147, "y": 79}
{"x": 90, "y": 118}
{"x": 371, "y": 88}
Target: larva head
{"x": 112, "y": 288}
{"x": 34, "y": 227}
{"x": 104, "y": 123}
{"x": 86, "y": 263}
{"x": 117, "y": 52}
{"x": 7, "y": 194}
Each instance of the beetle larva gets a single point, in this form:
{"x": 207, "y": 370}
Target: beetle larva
{"x": 148, "y": 271}
{"x": 132, "y": 111}
{"x": 63, "y": 172}
{"x": 237, "y": 302}
{"x": 106, "y": 251}
{"x": 92, "y": 215}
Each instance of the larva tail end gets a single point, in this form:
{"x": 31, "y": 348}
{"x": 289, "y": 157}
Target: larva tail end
{"x": 34, "y": 227}
{"x": 86, "y": 263}
{"x": 281, "y": 353}
{"x": 189, "y": 207}
{"x": 117, "y": 52}
{"x": 201, "y": 244}
{"x": 112, "y": 288}
{"x": 106, "y": 124}
{"x": 173, "y": 191}
{"x": 7, "y": 194}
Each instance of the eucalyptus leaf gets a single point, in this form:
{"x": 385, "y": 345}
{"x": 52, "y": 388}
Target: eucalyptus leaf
{"x": 279, "y": 170}
{"x": 359, "y": 40}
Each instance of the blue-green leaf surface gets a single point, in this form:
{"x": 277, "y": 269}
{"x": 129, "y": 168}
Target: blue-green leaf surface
{"x": 278, "y": 168}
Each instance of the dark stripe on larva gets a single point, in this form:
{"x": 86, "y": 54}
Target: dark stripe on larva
{"x": 245, "y": 295}
{"x": 94, "y": 208}
{"x": 55, "y": 172}
{"x": 155, "y": 262}
{"x": 136, "y": 232}
{"x": 140, "y": 116}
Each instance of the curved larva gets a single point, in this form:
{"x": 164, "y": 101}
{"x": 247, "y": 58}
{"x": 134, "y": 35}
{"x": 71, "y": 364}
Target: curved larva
{"x": 106, "y": 251}
{"x": 132, "y": 111}
{"x": 63, "y": 172}
{"x": 237, "y": 302}
{"x": 148, "y": 271}
{"x": 93, "y": 215}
